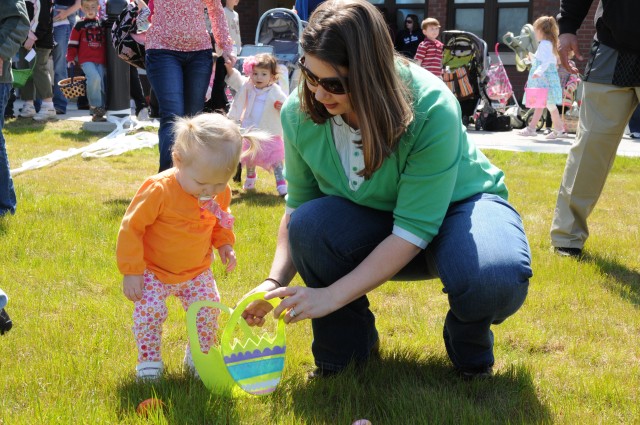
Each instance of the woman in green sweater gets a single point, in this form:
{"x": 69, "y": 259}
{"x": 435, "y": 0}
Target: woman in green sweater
{"x": 384, "y": 184}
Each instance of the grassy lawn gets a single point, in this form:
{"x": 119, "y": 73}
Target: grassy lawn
{"x": 571, "y": 355}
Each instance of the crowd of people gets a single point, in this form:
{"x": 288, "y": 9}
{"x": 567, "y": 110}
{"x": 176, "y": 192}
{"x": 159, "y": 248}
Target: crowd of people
{"x": 382, "y": 182}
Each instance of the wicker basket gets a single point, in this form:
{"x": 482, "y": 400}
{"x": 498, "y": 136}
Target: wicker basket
{"x": 73, "y": 87}
{"x": 570, "y": 117}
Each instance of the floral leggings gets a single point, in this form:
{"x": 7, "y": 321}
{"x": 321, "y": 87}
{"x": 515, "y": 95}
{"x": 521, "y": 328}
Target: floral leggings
{"x": 151, "y": 311}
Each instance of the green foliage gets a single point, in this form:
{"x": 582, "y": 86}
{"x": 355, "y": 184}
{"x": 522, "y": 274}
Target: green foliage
{"x": 570, "y": 355}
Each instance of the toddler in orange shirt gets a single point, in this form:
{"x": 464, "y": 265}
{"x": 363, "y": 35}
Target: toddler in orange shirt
{"x": 170, "y": 228}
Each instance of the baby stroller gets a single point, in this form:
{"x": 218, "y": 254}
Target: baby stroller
{"x": 466, "y": 64}
{"x": 278, "y": 32}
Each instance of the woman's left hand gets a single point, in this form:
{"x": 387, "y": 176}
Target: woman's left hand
{"x": 302, "y": 303}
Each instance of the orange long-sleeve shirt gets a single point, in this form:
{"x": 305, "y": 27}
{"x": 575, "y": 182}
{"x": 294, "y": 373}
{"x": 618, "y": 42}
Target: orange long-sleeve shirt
{"x": 165, "y": 231}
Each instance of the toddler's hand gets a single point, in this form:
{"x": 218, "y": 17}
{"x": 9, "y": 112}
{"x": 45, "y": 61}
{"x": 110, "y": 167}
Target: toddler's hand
{"x": 277, "y": 104}
{"x": 228, "y": 257}
{"x": 229, "y": 67}
{"x": 132, "y": 285}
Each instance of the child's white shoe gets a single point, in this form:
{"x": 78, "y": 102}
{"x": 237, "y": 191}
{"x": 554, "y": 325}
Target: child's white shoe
{"x": 250, "y": 183}
{"x": 554, "y": 134}
{"x": 149, "y": 370}
{"x": 528, "y": 132}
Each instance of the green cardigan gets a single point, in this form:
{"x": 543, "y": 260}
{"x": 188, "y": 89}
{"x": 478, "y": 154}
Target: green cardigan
{"x": 433, "y": 165}
{"x": 14, "y": 28}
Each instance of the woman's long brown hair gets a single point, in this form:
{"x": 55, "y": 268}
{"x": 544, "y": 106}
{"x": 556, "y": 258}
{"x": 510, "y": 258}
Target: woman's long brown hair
{"x": 353, "y": 34}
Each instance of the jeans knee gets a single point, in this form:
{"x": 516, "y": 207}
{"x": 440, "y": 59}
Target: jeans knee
{"x": 497, "y": 296}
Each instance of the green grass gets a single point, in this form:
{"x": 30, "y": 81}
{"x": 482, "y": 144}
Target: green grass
{"x": 570, "y": 355}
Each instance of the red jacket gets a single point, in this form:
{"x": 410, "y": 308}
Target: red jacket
{"x": 87, "y": 42}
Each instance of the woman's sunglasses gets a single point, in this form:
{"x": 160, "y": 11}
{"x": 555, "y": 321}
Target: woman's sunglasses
{"x": 333, "y": 85}
{"x": 408, "y": 21}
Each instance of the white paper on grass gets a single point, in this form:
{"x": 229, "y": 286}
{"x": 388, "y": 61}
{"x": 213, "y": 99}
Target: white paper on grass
{"x": 115, "y": 143}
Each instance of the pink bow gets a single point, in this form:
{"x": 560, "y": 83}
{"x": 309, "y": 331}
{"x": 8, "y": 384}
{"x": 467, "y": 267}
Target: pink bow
{"x": 224, "y": 218}
{"x": 248, "y": 64}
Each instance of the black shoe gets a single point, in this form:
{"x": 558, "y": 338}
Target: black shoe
{"x": 568, "y": 252}
{"x": 319, "y": 373}
{"x": 5, "y": 322}
{"x": 473, "y": 374}
{"x": 60, "y": 112}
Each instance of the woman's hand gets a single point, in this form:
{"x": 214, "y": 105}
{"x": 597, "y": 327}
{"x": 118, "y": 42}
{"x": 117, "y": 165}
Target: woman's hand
{"x": 302, "y": 303}
{"x": 228, "y": 257}
{"x": 61, "y": 15}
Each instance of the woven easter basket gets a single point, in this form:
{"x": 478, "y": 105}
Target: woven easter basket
{"x": 73, "y": 87}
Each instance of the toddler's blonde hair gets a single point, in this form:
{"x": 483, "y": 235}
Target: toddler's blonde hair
{"x": 216, "y": 134}
{"x": 549, "y": 28}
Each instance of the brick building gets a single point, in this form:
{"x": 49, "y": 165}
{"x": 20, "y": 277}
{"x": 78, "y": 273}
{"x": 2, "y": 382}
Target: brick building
{"x": 489, "y": 19}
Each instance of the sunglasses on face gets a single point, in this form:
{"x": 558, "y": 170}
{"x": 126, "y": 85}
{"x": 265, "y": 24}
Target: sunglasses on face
{"x": 333, "y": 85}
{"x": 408, "y": 22}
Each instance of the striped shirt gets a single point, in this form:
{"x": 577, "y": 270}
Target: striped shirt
{"x": 429, "y": 56}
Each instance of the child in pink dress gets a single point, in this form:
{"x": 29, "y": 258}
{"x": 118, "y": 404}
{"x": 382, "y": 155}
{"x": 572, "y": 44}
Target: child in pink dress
{"x": 257, "y": 104}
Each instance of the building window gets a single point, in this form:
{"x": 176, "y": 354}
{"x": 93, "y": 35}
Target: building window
{"x": 489, "y": 19}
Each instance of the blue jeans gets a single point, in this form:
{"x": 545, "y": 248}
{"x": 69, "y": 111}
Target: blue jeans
{"x": 7, "y": 193}
{"x": 180, "y": 81}
{"x": 481, "y": 255}
{"x": 95, "y": 83}
{"x": 59, "y": 53}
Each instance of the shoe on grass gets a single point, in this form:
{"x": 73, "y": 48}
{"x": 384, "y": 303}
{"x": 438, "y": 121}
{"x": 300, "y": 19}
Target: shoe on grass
{"x": 27, "y": 111}
{"x": 151, "y": 371}
{"x": 250, "y": 183}
{"x": 568, "y": 252}
{"x": 475, "y": 374}
{"x": 45, "y": 113}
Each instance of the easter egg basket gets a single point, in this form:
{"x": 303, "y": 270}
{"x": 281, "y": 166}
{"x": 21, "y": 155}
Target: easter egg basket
{"x": 252, "y": 363}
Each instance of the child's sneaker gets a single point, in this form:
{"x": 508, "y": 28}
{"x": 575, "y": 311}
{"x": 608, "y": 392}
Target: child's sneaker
{"x": 45, "y": 113}
{"x": 281, "y": 187}
{"x": 149, "y": 370}
{"x": 556, "y": 135}
{"x": 250, "y": 183}
{"x": 528, "y": 132}
{"x": 27, "y": 111}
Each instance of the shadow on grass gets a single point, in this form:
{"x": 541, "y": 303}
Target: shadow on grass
{"x": 186, "y": 400}
{"x": 404, "y": 389}
{"x": 628, "y": 281}
{"x": 117, "y": 207}
{"x": 257, "y": 198}
{"x": 20, "y": 126}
